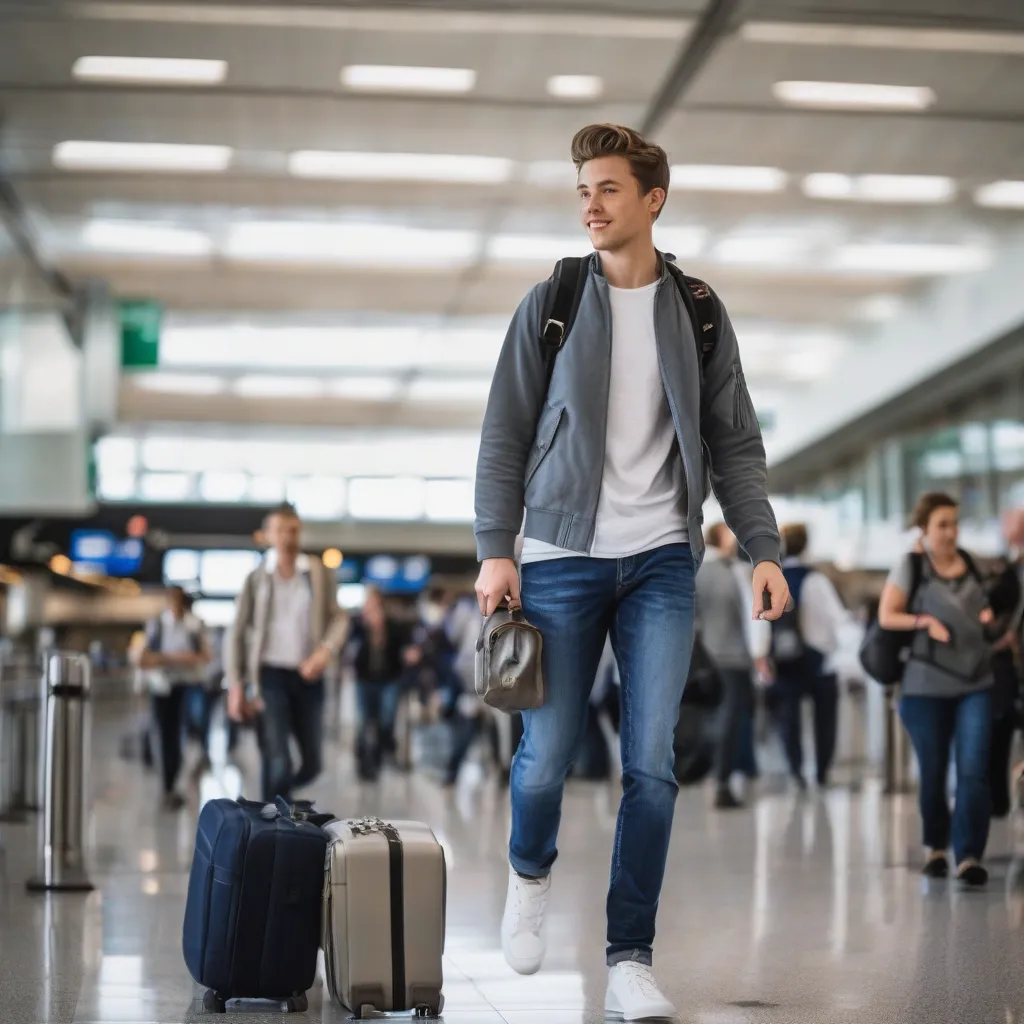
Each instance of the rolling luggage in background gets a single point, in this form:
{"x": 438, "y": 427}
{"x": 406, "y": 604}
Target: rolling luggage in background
{"x": 253, "y": 912}
{"x": 384, "y": 916}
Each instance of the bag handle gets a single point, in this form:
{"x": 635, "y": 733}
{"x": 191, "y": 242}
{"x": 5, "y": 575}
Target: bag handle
{"x": 516, "y": 613}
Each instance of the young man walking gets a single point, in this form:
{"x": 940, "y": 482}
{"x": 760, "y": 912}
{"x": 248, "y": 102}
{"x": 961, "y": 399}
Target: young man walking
{"x": 608, "y": 462}
{"x": 287, "y": 629}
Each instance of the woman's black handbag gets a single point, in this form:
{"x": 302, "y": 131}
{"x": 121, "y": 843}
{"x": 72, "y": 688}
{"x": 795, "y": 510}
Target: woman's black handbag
{"x": 884, "y": 652}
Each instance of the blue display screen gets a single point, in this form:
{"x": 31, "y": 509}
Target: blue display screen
{"x": 103, "y": 552}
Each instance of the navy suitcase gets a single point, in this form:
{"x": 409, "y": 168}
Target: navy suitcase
{"x": 253, "y": 912}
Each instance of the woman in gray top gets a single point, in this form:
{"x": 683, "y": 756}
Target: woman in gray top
{"x": 946, "y": 689}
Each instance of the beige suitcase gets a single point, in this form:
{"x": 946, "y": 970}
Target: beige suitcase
{"x": 384, "y": 916}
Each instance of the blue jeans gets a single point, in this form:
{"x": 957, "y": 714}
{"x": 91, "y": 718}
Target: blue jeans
{"x": 934, "y": 723}
{"x": 292, "y": 707}
{"x": 378, "y": 706}
{"x": 647, "y": 603}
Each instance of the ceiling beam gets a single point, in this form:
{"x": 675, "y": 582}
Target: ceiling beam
{"x": 711, "y": 28}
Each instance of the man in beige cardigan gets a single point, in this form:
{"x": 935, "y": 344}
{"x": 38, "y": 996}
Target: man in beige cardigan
{"x": 287, "y": 629}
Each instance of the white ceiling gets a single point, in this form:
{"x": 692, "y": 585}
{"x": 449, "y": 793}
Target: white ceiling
{"x": 282, "y": 94}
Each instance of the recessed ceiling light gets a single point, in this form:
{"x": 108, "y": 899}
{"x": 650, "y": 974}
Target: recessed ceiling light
{"x": 728, "y": 178}
{"x": 149, "y": 239}
{"x": 169, "y": 70}
{"x": 178, "y": 383}
{"x": 854, "y": 95}
{"x": 761, "y": 249}
{"x": 883, "y": 37}
{"x": 881, "y": 188}
{"x": 1001, "y": 194}
{"x": 575, "y": 87}
{"x": 911, "y": 259}
{"x": 399, "y": 167}
{"x": 398, "y": 78}
{"x": 140, "y": 156}
{"x": 380, "y": 244}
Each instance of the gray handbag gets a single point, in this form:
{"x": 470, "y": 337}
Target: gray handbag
{"x": 508, "y": 662}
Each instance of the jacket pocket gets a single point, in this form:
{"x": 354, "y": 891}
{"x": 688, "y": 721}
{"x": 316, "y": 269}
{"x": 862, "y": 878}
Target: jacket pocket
{"x": 744, "y": 416}
{"x": 547, "y": 428}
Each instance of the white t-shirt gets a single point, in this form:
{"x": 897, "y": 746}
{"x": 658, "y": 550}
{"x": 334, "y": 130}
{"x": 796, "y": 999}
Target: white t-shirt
{"x": 643, "y": 486}
{"x": 287, "y": 643}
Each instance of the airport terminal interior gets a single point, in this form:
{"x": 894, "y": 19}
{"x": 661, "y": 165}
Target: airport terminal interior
{"x": 257, "y": 263}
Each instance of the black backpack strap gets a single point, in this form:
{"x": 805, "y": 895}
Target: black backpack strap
{"x": 700, "y": 304}
{"x": 972, "y": 567}
{"x": 563, "y": 301}
{"x": 916, "y": 575}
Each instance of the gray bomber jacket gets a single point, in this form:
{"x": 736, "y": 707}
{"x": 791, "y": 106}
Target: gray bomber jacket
{"x": 546, "y": 452}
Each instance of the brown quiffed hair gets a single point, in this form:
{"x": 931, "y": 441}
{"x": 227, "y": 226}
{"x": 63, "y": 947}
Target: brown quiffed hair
{"x": 928, "y": 504}
{"x": 648, "y": 162}
{"x": 794, "y": 539}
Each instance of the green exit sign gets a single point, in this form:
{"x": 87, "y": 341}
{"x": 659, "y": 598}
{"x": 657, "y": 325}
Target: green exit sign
{"x": 140, "y": 333}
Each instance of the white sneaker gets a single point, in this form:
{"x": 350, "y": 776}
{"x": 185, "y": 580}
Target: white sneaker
{"x": 522, "y": 928}
{"x": 633, "y": 994}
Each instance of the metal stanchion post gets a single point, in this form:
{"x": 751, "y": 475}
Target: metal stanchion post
{"x": 64, "y": 761}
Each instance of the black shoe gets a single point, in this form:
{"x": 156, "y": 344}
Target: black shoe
{"x": 936, "y": 866}
{"x": 725, "y": 801}
{"x": 972, "y": 874}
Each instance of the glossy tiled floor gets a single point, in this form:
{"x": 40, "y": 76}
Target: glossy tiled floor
{"x": 792, "y": 912}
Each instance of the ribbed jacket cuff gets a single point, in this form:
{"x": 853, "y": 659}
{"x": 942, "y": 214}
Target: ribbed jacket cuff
{"x": 495, "y": 544}
{"x": 763, "y": 549}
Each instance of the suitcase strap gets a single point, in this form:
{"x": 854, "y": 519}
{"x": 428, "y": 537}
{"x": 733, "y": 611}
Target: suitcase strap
{"x": 396, "y": 870}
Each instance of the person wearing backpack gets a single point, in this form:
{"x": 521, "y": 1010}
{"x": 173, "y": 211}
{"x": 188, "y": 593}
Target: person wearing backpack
{"x": 618, "y": 397}
{"x": 803, "y": 640}
{"x": 946, "y": 691}
{"x": 175, "y": 655}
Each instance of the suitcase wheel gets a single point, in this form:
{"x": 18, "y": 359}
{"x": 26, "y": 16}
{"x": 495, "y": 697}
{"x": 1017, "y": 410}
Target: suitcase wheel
{"x": 427, "y": 1010}
{"x": 298, "y": 1003}
{"x": 213, "y": 1002}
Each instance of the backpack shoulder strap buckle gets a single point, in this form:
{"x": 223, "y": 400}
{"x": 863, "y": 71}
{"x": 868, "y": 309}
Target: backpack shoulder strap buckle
{"x": 553, "y": 333}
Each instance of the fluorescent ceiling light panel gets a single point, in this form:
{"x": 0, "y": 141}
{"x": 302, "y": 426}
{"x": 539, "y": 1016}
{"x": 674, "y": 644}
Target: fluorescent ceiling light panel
{"x": 166, "y": 70}
{"x": 370, "y": 389}
{"x": 879, "y": 37}
{"x": 465, "y": 350}
{"x": 393, "y": 498}
{"x": 854, "y": 95}
{"x": 140, "y": 156}
{"x": 360, "y": 244}
{"x": 1007, "y": 195}
{"x": 881, "y": 188}
{"x": 399, "y": 167}
{"x": 683, "y": 243}
{"x": 537, "y": 248}
{"x": 434, "y": 389}
{"x": 398, "y": 78}
{"x": 291, "y": 348}
{"x": 911, "y": 259}
{"x": 268, "y": 386}
{"x": 164, "y": 486}
{"x": 144, "y": 239}
{"x": 575, "y": 87}
{"x": 728, "y": 178}
{"x": 179, "y": 383}
{"x": 552, "y": 174}
{"x": 761, "y": 250}
{"x": 223, "y": 486}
